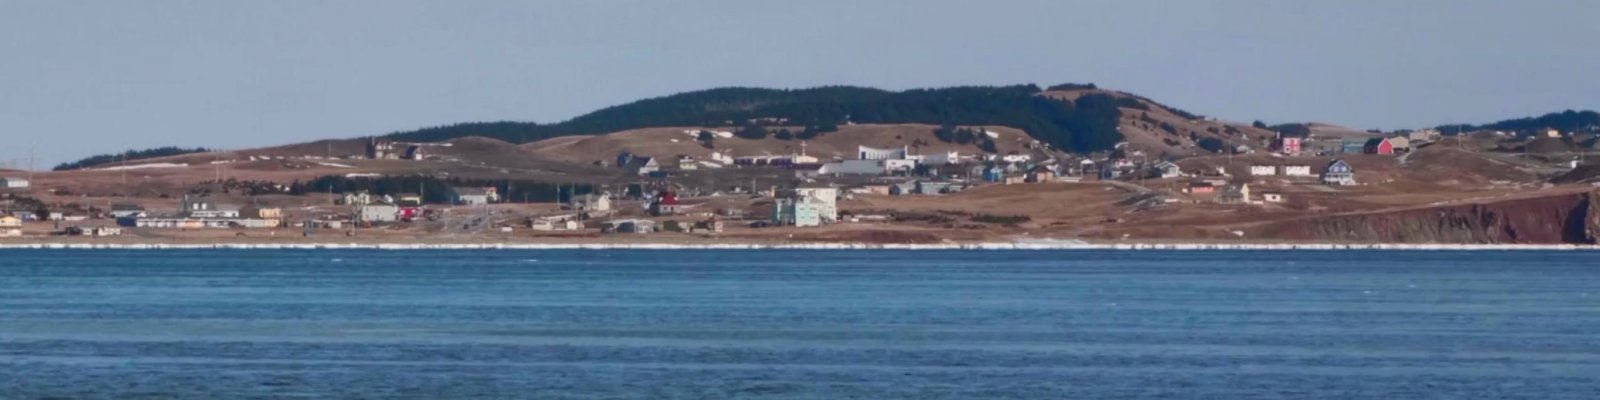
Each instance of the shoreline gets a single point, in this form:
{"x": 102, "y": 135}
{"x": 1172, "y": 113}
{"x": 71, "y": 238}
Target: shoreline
{"x": 993, "y": 246}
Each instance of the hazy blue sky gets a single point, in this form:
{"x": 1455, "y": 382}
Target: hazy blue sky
{"x": 88, "y": 77}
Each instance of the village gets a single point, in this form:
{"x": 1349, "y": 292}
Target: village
{"x": 800, "y": 192}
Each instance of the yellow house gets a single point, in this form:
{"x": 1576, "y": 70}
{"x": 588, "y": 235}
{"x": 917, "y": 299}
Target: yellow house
{"x": 7, "y": 221}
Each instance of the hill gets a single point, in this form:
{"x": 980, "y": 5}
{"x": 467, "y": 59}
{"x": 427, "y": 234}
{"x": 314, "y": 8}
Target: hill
{"x": 1569, "y": 120}
{"x": 1084, "y": 124}
{"x": 672, "y": 141}
{"x": 1165, "y": 131}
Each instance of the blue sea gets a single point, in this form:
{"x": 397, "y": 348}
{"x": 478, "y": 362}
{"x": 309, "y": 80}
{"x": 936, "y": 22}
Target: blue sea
{"x": 780, "y": 324}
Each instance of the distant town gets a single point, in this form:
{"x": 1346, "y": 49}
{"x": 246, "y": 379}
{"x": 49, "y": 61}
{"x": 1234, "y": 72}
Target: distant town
{"x": 1174, "y": 177}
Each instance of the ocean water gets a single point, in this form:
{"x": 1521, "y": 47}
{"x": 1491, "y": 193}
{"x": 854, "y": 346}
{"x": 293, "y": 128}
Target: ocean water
{"x": 779, "y": 324}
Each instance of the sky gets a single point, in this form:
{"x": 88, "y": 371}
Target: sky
{"x": 86, "y": 77}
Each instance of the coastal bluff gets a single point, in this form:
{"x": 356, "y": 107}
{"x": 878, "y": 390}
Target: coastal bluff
{"x": 1569, "y": 218}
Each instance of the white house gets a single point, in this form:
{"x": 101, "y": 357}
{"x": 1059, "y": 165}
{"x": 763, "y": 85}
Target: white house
{"x": 472, "y": 196}
{"x": 1297, "y": 170}
{"x": 13, "y": 183}
{"x": 943, "y": 158}
{"x": 1263, "y": 170}
{"x": 590, "y": 202}
{"x": 378, "y": 213}
{"x": 1166, "y": 169}
{"x": 202, "y": 207}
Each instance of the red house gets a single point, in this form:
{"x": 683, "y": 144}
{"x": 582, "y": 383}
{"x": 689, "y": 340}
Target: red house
{"x": 1289, "y": 145}
{"x": 1380, "y": 146}
{"x": 665, "y": 203}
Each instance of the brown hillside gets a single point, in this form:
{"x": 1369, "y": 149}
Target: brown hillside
{"x": 668, "y": 142}
{"x": 1162, "y": 132}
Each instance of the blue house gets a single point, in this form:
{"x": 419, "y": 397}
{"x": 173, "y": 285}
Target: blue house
{"x": 1339, "y": 173}
{"x": 994, "y": 174}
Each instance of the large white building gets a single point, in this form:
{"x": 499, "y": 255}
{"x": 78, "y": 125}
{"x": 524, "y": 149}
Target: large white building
{"x": 13, "y": 183}
{"x": 1297, "y": 170}
{"x": 870, "y": 153}
{"x": 826, "y": 196}
{"x": 1263, "y": 170}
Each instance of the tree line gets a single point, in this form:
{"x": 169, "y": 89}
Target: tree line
{"x": 1086, "y": 124}
{"x": 437, "y": 190}
{"x": 1569, "y": 120}
{"x": 130, "y": 155}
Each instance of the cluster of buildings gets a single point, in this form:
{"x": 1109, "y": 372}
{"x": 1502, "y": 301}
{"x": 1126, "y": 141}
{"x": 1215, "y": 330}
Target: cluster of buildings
{"x": 378, "y": 149}
{"x": 201, "y": 212}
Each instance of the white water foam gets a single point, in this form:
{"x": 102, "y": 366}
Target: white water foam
{"x": 1029, "y": 245}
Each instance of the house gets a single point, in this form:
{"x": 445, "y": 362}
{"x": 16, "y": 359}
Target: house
{"x": 13, "y": 183}
{"x": 1016, "y": 158}
{"x": 377, "y": 213}
{"x": 555, "y": 223}
{"x": 637, "y": 226}
{"x": 994, "y": 174}
{"x": 664, "y": 203}
{"x": 252, "y": 223}
{"x": 902, "y": 189}
{"x": 1401, "y": 144}
{"x": 1041, "y": 174}
{"x": 7, "y": 221}
{"x": 408, "y": 200}
{"x": 590, "y": 202}
{"x": 1424, "y": 135}
{"x": 127, "y": 210}
{"x": 640, "y": 165}
{"x": 1289, "y": 145}
{"x": 1201, "y": 188}
{"x": 882, "y": 190}
{"x": 381, "y": 149}
{"x": 1168, "y": 170}
{"x": 472, "y": 196}
{"x": 901, "y": 166}
{"x": 942, "y": 158}
{"x": 257, "y": 211}
{"x": 355, "y": 198}
{"x": 1379, "y": 146}
{"x": 415, "y": 153}
{"x": 204, "y": 207}
{"x": 1263, "y": 170}
{"x": 1549, "y": 133}
{"x": 1297, "y": 170}
{"x": 1353, "y": 146}
{"x": 712, "y": 225}
{"x": 1015, "y": 179}
{"x": 930, "y": 187}
{"x": 95, "y": 231}
{"x": 853, "y": 167}
{"x": 1339, "y": 173}
{"x": 687, "y": 163}
{"x": 1272, "y": 197}
{"x": 1235, "y": 195}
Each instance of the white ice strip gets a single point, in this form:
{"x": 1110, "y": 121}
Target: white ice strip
{"x": 1032, "y": 245}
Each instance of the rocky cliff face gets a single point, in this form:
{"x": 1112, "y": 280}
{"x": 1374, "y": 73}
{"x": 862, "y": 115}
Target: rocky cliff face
{"x": 1567, "y": 218}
